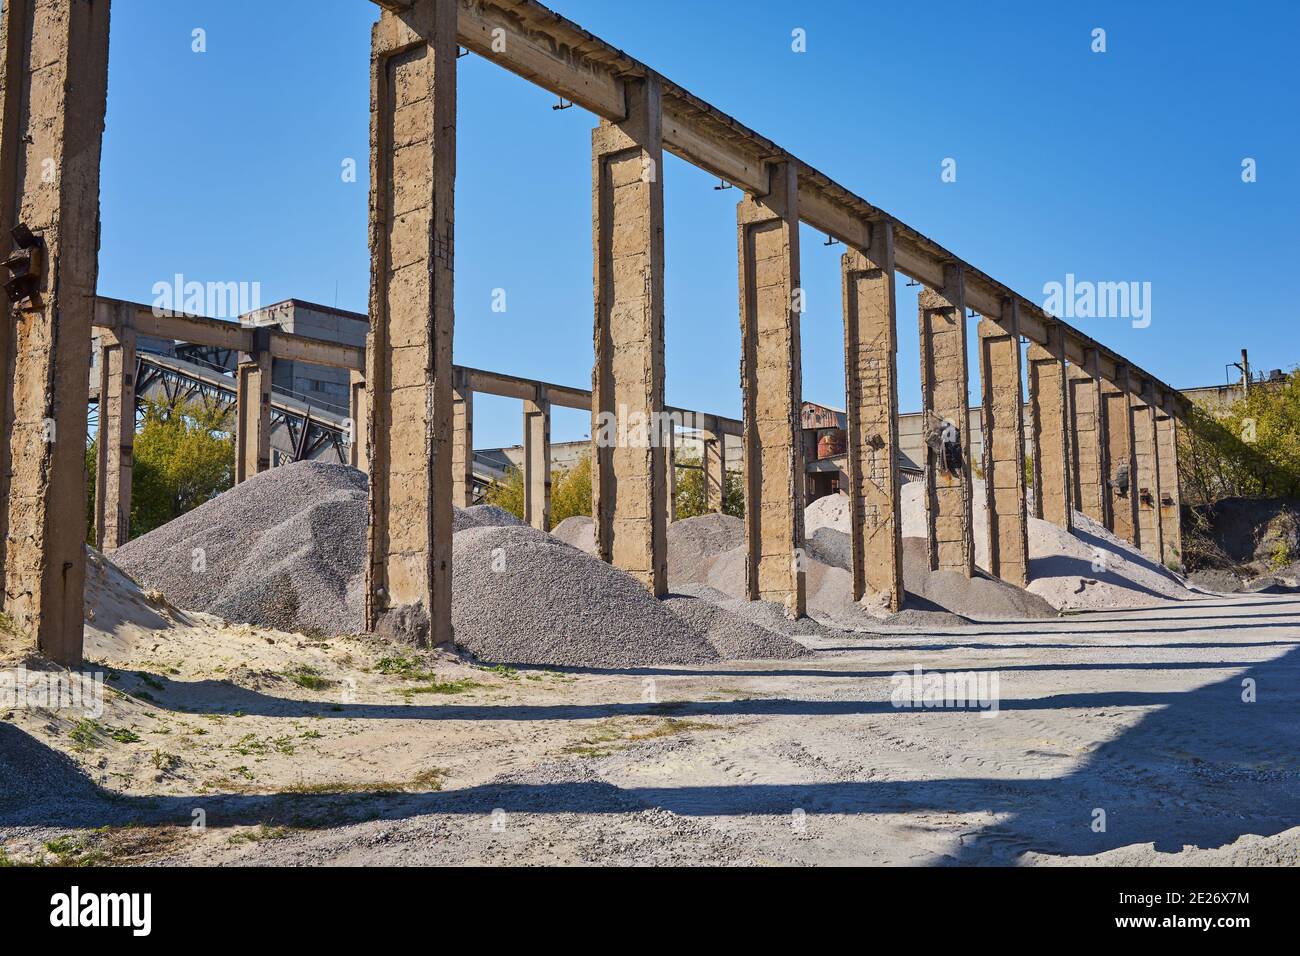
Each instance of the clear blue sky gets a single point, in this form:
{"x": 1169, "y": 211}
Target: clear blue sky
{"x": 1115, "y": 166}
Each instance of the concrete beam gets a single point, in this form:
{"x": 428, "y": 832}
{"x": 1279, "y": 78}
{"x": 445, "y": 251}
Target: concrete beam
{"x": 53, "y": 89}
{"x": 253, "y": 410}
{"x": 115, "y": 446}
{"x": 945, "y": 407}
{"x": 1146, "y": 456}
{"x": 462, "y": 440}
{"x": 771, "y": 387}
{"x": 1004, "y": 447}
{"x": 1121, "y": 469}
{"x": 537, "y": 462}
{"x": 1048, "y": 406}
{"x": 1087, "y": 458}
{"x": 628, "y": 502}
{"x": 408, "y": 350}
{"x": 1171, "y": 502}
{"x": 871, "y": 404}
{"x": 531, "y": 40}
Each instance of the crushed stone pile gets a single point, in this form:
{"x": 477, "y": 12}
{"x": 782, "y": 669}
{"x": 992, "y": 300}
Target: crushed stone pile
{"x": 693, "y": 543}
{"x": 522, "y": 597}
{"x": 285, "y": 549}
{"x": 732, "y": 627}
{"x": 578, "y": 532}
{"x": 483, "y": 516}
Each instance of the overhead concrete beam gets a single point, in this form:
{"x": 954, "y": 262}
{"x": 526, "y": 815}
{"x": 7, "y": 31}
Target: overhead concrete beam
{"x": 534, "y": 42}
{"x": 771, "y": 301}
{"x": 1048, "y": 405}
{"x": 628, "y": 500}
{"x": 408, "y": 351}
{"x": 945, "y": 409}
{"x": 1004, "y": 447}
{"x": 871, "y": 409}
{"x": 53, "y": 89}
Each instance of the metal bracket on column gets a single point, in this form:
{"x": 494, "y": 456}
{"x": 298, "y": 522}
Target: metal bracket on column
{"x": 26, "y": 267}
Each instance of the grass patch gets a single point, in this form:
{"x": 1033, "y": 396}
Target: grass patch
{"x": 439, "y": 687}
{"x": 304, "y": 675}
{"x": 501, "y": 670}
{"x": 611, "y": 736}
{"x": 260, "y": 834}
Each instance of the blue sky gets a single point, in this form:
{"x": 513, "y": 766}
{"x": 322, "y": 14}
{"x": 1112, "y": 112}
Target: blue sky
{"x": 1116, "y": 166}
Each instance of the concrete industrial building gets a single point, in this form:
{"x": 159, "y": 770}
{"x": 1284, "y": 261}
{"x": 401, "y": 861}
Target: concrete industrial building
{"x": 414, "y": 408}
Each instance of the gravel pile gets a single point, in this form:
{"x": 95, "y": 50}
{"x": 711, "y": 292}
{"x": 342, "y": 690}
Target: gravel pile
{"x": 483, "y": 516}
{"x": 738, "y": 630}
{"x": 285, "y": 549}
{"x": 579, "y": 532}
{"x": 519, "y": 596}
{"x": 693, "y": 544}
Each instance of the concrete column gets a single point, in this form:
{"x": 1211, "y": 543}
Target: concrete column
{"x": 359, "y": 452}
{"x": 408, "y": 350}
{"x": 871, "y": 404}
{"x": 462, "y": 441}
{"x": 1004, "y": 446}
{"x": 253, "y": 409}
{"x": 1121, "y": 469}
{"x": 628, "y": 503}
{"x": 53, "y": 87}
{"x": 1087, "y": 458}
{"x": 715, "y": 469}
{"x": 670, "y": 472}
{"x": 945, "y": 411}
{"x": 771, "y": 385}
{"x": 116, "y": 442}
{"x": 1171, "y": 504}
{"x": 1146, "y": 457}
{"x": 1050, "y": 430}
{"x": 537, "y": 461}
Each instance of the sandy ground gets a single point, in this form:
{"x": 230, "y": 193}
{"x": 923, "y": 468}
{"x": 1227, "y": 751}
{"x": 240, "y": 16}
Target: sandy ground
{"x": 211, "y": 750}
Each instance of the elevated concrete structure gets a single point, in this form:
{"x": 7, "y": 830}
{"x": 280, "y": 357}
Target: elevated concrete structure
{"x": 771, "y": 383}
{"x": 1050, "y": 430}
{"x": 1088, "y": 490}
{"x": 871, "y": 386}
{"x": 946, "y": 407}
{"x": 537, "y": 461}
{"x": 1121, "y": 469}
{"x": 1004, "y": 447}
{"x": 1171, "y": 504}
{"x": 115, "y": 446}
{"x": 1146, "y": 458}
{"x": 629, "y": 505}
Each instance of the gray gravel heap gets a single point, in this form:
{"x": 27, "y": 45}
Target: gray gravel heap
{"x": 285, "y": 549}
{"x": 733, "y": 627}
{"x": 483, "y": 516}
{"x": 694, "y": 544}
{"x": 522, "y": 597}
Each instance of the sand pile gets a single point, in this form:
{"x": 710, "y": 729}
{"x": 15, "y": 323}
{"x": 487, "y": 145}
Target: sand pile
{"x": 522, "y": 597}
{"x": 285, "y": 549}
{"x": 1091, "y": 569}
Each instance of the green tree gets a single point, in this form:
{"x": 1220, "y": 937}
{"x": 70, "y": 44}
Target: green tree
{"x": 184, "y": 456}
{"x": 571, "y": 492}
{"x": 690, "y": 498}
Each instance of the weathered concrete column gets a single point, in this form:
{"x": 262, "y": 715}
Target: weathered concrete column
{"x": 871, "y": 390}
{"x": 408, "y": 350}
{"x": 1004, "y": 446}
{"x": 1086, "y": 448}
{"x": 1120, "y": 467}
{"x": 1171, "y": 501}
{"x": 945, "y": 410}
{"x": 628, "y": 503}
{"x": 715, "y": 467}
{"x": 116, "y": 443}
{"x": 359, "y": 419}
{"x": 1146, "y": 457}
{"x": 462, "y": 440}
{"x": 771, "y": 384}
{"x": 670, "y": 472}
{"x": 253, "y": 409}
{"x": 53, "y": 87}
{"x": 1050, "y": 430}
{"x": 537, "y": 461}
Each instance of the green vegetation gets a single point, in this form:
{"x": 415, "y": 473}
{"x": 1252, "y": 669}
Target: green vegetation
{"x": 184, "y": 456}
{"x": 304, "y": 675}
{"x": 690, "y": 497}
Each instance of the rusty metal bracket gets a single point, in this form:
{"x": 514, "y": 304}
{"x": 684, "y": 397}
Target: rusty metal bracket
{"x": 26, "y": 267}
